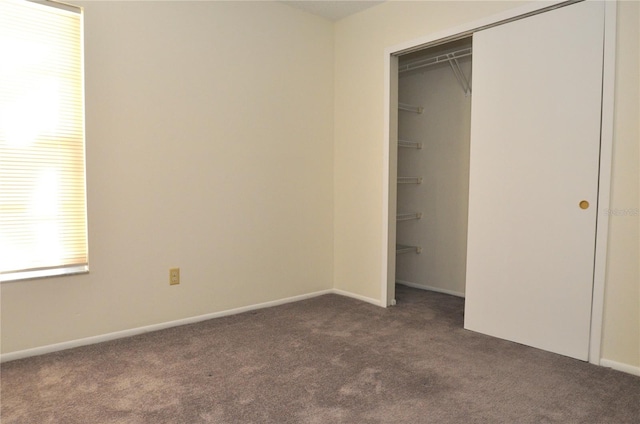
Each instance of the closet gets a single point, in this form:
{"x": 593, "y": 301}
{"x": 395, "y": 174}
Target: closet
{"x": 497, "y": 173}
{"x": 434, "y": 114}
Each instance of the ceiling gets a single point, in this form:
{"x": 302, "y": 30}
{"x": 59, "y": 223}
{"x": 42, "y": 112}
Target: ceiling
{"x": 333, "y": 10}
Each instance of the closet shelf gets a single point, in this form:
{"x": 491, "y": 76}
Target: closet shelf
{"x": 410, "y": 108}
{"x": 408, "y": 216}
{"x": 403, "y": 248}
{"x": 451, "y": 58}
{"x": 409, "y": 180}
{"x": 409, "y": 144}
{"x": 433, "y": 60}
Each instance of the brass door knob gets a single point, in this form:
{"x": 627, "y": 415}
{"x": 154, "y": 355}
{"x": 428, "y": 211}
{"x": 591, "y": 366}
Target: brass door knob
{"x": 584, "y": 204}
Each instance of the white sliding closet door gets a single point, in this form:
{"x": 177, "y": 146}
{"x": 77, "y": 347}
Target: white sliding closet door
{"x": 535, "y": 139}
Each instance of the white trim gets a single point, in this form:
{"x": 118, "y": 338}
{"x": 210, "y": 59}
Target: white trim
{"x": 595, "y": 339}
{"x": 385, "y": 181}
{"x": 358, "y": 297}
{"x": 12, "y": 356}
{"x": 618, "y": 366}
{"x": 32, "y": 274}
{"x": 429, "y": 288}
{"x": 604, "y": 181}
{"x": 21, "y": 354}
{"x": 155, "y": 327}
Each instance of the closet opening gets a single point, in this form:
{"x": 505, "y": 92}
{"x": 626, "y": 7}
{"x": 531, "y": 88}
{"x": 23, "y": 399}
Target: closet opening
{"x": 486, "y": 240}
{"x": 432, "y": 179}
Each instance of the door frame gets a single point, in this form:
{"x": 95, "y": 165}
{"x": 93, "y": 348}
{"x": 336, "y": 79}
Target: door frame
{"x": 606, "y": 146}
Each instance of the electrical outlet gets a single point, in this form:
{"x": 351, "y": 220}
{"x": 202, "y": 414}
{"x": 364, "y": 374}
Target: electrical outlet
{"x": 174, "y": 276}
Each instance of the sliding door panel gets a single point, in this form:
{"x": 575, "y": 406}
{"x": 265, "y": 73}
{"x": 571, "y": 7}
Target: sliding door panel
{"x": 535, "y": 137}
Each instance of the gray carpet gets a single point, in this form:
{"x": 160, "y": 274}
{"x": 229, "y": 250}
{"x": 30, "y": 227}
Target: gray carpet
{"x": 329, "y": 359}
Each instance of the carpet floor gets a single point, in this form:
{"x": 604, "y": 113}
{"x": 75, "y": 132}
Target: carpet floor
{"x": 329, "y": 359}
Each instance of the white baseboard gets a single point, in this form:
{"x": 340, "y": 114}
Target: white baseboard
{"x": 357, "y": 296}
{"x": 435, "y": 289}
{"x": 12, "y": 356}
{"x": 618, "y": 366}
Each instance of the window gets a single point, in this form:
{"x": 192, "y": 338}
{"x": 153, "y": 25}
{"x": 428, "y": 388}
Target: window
{"x": 43, "y": 225}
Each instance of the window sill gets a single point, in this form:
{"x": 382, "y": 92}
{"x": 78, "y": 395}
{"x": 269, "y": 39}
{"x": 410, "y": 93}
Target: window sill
{"x": 43, "y": 273}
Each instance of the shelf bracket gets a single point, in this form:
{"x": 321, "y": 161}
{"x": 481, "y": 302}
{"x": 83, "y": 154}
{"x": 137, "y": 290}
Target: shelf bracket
{"x": 403, "y": 248}
{"x": 408, "y": 216}
{"x": 410, "y": 108}
{"x": 457, "y": 71}
{"x": 410, "y": 144}
{"x": 409, "y": 180}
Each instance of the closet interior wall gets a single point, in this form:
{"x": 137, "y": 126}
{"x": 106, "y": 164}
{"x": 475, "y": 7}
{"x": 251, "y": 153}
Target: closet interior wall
{"x": 438, "y": 203}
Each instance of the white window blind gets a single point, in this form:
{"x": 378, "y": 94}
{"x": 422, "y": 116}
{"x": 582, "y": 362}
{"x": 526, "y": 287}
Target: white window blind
{"x": 43, "y": 225}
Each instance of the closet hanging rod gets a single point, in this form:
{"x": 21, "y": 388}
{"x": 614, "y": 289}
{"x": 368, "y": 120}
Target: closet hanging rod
{"x": 409, "y": 180}
{"x": 411, "y": 144}
{"x": 446, "y": 57}
{"x": 408, "y": 216}
{"x": 403, "y": 248}
{"x": 410, "y": 108}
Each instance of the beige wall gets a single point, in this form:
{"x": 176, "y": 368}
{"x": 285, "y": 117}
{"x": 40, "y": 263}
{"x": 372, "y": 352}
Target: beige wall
{"x": 209, "y": 148}
{"x": 360, "y": 41}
